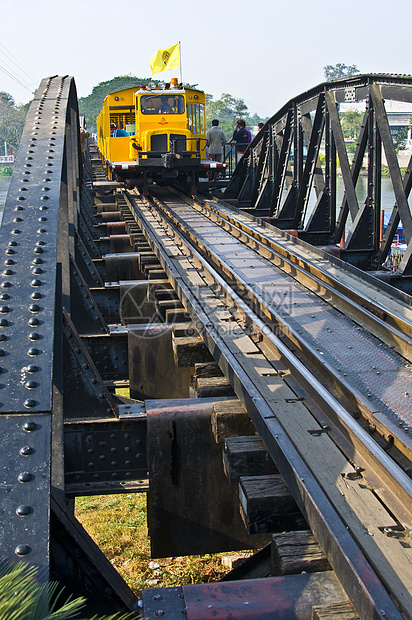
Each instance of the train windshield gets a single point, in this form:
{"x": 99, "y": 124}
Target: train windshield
{"x": 162, "y": 104}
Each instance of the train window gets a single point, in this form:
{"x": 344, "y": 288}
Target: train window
{"x": 195, "y": 118}
{"x": 121, "y": 120}
{"x": 190, "y": 125}
{"x": 162, "y": 104}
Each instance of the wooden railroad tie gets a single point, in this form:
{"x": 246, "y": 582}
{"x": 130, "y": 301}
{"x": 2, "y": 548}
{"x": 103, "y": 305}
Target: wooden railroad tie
{"x": 246, "y": 455}
{"x": 188, "y": 346}
{"x": 267, "y": 506}
{"x": 230, "y": 418}
{"x": 334, "y": 611}
{"x": 295, "y": 552}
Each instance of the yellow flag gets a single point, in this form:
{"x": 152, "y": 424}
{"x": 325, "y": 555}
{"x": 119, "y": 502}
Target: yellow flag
{"x": 166, "y": 59}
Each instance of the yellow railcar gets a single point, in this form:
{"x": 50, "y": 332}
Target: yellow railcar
{"x": 153, "y": 133}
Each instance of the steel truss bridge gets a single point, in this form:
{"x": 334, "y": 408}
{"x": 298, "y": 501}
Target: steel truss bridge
{"x": 268, "y": 362}
{"x": 282, "y": 169}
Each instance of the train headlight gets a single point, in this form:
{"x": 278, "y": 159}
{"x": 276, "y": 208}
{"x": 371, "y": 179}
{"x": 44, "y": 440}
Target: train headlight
{"x": 161, "y": 85}
{"x": 151, "y": 85}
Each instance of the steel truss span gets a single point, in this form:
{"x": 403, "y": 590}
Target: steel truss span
{"x": 269, "y": 404}
{"x": 281, "y": 175}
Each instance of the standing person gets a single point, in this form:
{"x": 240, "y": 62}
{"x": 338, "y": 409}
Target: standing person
{"x": 241, "y": 137}
{"x": 215, "y": 140}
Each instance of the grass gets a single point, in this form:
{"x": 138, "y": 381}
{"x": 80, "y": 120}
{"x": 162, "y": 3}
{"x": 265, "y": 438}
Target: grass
{"x": 117, "y": 523}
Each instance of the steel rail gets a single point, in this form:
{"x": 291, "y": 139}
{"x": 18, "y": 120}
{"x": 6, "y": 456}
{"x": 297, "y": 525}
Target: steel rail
{"x": 314, "y": 386}
{"x": 355, "y": 573}
{"x": 360, "y": 402}
{"x": 376, "y": 314}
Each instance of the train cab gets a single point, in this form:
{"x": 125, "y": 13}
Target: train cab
{"x": 153, "y": 132}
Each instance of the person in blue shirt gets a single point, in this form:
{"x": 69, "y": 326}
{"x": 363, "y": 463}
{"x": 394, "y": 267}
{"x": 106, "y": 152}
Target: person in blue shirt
{"x": 241, "y": 137}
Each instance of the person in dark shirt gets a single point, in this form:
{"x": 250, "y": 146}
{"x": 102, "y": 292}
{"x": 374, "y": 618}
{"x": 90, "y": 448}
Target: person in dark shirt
{"x": 164, "y": 106}
{"x": 241, "y": 137}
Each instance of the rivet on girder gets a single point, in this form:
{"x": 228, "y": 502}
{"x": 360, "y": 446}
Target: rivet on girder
{"x": 23, "y": 510}
{"x": 26, "y": 450}
{"x": 31, "y": 384}
{"x": 38, "y": 250}
{"x": 34, "y": 336}
{"x": 29, "y": 426}
{"x": 32, "y": 368}
{"x": 29, "y": 402}
{"x": 22, "y": 550}
{"x": 34, "y": 307}
{"x": 36, "y": 295}
{"x": 33, "y": 351}
{"x": 24, "y": 476}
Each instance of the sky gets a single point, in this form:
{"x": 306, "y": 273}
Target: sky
{"x": 262, "y": 51}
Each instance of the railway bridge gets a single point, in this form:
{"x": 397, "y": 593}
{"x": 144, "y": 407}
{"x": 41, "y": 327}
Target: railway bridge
{"x": 266, "y": 347}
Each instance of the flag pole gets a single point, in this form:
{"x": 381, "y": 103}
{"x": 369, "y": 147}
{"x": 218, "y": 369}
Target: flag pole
{"x": 180, "y": 58}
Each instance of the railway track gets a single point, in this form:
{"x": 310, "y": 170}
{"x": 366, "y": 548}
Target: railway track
{"x": 262, "y": 304}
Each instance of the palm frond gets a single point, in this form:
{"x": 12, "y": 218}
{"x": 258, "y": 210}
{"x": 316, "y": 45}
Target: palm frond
{"x": 22, "y": 597}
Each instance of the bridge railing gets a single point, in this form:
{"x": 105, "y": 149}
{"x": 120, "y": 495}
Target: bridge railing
{"x": 290, "y": 171}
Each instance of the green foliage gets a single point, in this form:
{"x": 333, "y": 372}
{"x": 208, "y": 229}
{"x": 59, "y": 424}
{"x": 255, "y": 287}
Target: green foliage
{"x": 91, "y": 105}
{"x": 6, "y": 171}
{"x": 351, "y": 122}
{"x": 334, "y": 72}
{"x": 12, "y": 119}
{"x": 399, "y": 141}
{"x": 22, "y": 597}
{"x": 228, "y": 110}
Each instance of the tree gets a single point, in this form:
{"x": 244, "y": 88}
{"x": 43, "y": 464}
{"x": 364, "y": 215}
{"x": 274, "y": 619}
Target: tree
{"x": 91, "y": 105}
{"x": 334, "y": 72}
{"x": 12, "y": 119}
{"x": 227, "y": 110}
{"x": 399, "y": 141}
{"x": 351, "y": 122}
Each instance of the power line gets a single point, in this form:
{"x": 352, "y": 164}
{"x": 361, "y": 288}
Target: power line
{"x": 15, "y": 72}
{"x": 13, "y": 77}
{"x": 17, "y": 62}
